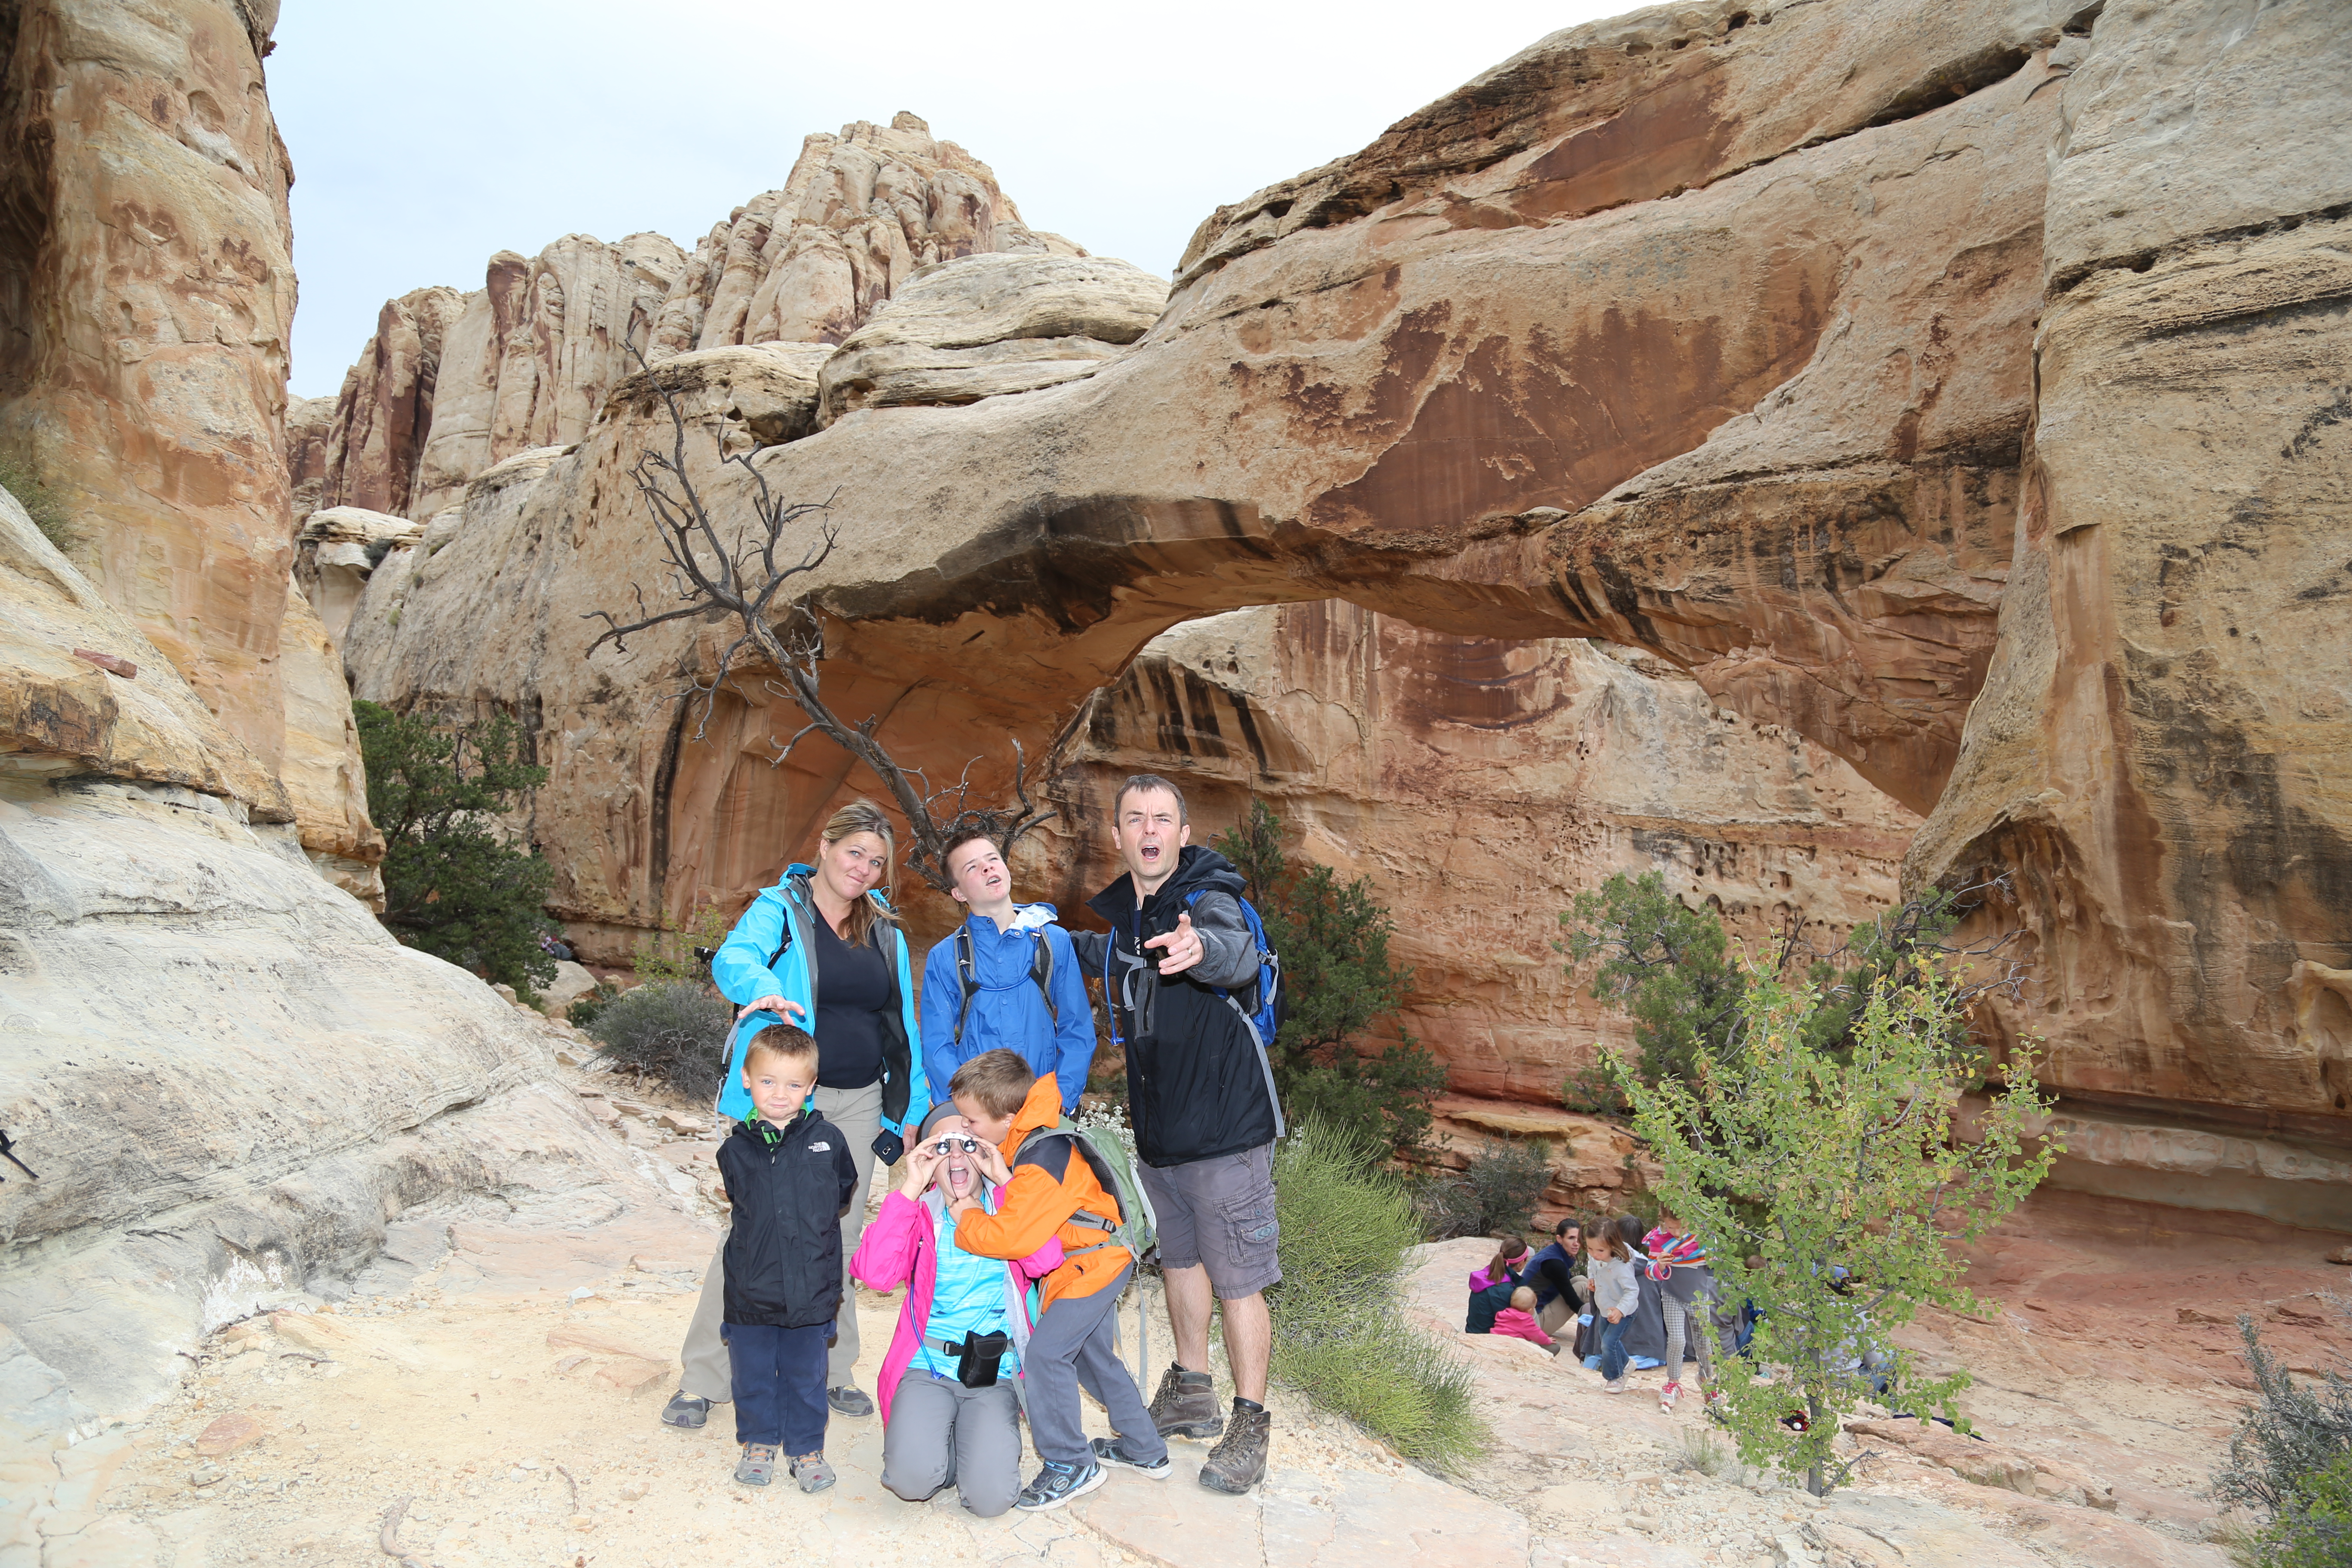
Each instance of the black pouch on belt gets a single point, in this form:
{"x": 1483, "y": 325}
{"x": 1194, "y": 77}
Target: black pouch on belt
{"x": 976, "y": 1362}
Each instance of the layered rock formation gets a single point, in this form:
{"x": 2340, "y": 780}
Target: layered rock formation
{"x": 451, "y": 383}
{"x": 1712, "y": 333}
{"x": 148, "y": 290}
{"x": 1481, "y": 784}
{"x": 228, "y": 1076}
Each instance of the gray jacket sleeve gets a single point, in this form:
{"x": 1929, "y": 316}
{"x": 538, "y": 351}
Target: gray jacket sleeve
{"x": 1090, "y": 947}
{"x": 1228, "y": 951}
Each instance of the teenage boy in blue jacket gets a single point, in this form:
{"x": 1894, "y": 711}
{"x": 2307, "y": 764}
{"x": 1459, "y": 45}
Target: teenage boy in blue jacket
{"x": 1007, "y": 980}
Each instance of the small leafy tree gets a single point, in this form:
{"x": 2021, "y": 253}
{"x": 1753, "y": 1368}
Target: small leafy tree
{"x": 454, "y": 882}
{"x": 1338, "y": 980}
{"x": 1838, "y": 1173}
{"x": 1666, "y": 965}
{"x": 2291, "y": 1460}
{"x": 672, "y": 957}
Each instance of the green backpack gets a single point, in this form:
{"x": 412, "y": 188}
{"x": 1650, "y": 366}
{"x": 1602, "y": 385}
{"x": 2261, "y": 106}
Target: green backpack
{"x": 1137, "y": 1229}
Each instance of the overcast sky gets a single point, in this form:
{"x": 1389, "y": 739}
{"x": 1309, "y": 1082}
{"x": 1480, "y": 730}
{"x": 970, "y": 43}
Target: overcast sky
{"x": 426, "y": 136}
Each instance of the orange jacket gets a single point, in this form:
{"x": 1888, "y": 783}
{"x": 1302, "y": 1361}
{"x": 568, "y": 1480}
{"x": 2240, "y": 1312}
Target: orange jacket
{"x": 1035, "y": 1207}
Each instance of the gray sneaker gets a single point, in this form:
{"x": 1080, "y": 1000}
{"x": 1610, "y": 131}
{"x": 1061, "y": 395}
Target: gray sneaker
{"x": 813, "y": 1473}
{"x": 848, "y": 1401}
{"x": 1238, "y": 1463}
{"x": 1186, "y": 1405}
{"x": 757, "y": 1467}
{"x": 1055, "y": 1486}
{"x": 1108, "y": 1452}
{"x": 684, "y": 1410}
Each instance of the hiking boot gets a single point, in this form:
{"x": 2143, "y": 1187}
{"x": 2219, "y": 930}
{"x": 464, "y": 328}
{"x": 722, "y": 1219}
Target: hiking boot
{"x": 1108, "y": 1452}
{"x": 1186, "y": 1405}
{"x": 684, "y": 1410}
{"x": 1238, "y": 1463}
{"x": 847, "y": 1400}
{"x": 757, "y": 1467}
{"x": 1055, "y": 1485}
{"x": 811, "y": 1470}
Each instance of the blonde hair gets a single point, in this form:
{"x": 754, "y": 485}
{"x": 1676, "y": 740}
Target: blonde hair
{"x": 864, "y": 817}
{"x": 786, "y": 1041}
{"x": 1523, "y": 1298}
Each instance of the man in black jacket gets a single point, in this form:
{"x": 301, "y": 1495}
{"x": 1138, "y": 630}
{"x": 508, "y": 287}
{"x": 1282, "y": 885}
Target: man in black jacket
{"x": 1181, "y": 969}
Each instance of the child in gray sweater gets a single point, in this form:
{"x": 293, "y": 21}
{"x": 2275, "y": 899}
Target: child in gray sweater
{"x": 1614, "y": 1296}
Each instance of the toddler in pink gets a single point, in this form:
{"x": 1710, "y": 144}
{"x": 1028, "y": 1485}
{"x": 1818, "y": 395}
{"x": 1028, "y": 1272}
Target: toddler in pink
{"x": 1518, "y": 1321}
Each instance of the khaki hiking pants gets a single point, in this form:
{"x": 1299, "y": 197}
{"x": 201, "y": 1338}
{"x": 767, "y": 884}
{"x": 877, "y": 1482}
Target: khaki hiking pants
{"x": 707, "y": 1375}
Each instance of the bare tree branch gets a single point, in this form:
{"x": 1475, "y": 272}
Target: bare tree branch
{"x": 747, "y": 583}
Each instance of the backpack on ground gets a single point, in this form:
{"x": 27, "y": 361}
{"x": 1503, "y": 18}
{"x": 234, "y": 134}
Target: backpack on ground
{"x": 1136, "y": 1227}
{"x": 1041, "y": 970}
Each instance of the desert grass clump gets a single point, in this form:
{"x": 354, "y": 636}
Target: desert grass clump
{"x": 1340, "y": 1334}
{"x": 44, "y": 505}
{"x": 674, "y": 1032}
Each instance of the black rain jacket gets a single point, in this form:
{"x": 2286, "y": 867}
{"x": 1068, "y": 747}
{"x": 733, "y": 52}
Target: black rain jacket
{"x": 1197, "y": 1087}
{"x": 788, "y": 1187}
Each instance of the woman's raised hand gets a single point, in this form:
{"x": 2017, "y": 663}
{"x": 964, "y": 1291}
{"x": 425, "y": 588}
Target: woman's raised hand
{"x": 922, "y": 1163}
{"x": 781, "y": 1006}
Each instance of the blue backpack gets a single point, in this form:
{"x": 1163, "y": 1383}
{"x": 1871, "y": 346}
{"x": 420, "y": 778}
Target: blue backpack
{"x": 1265, "y": 1016}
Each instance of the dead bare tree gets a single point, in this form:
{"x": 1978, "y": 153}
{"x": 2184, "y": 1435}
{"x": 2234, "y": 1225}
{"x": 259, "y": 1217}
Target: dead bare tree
{"x": 745, "y": 583}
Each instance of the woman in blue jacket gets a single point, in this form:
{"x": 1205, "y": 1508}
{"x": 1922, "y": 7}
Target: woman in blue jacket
{"x": 821, "y": 948}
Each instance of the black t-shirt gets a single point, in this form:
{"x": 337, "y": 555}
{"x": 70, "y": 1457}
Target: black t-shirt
{"x": 853, "y": 995}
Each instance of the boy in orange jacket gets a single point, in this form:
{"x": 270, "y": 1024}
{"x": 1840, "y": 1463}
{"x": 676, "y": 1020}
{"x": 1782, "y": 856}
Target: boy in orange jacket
{"x": 1075, "y": 1342}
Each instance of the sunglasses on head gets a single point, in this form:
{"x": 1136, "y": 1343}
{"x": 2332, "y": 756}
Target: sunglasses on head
{"x": 956, "y": 1143}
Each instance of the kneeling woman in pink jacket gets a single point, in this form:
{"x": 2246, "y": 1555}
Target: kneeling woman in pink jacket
{"x": 949, "y": 1406}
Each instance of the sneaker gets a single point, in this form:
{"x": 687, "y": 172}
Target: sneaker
{"x": 1186, "y": 1405}
{"x": 684, "y": 1410}
{"x": 1668, "y": 1394}
{"x": 1238, "y": 1463}
{"x": 813, "y": 1473}
{"x": 1614, "y": 1386}
{"x": 1055, "y": 1485}
{"x": 1108, "y": 1452}
{"x": 848, "y": 1401}
{"x": 757, "y": 1467}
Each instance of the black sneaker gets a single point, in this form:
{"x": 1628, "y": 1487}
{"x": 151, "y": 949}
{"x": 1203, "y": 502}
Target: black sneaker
{"x": 684, "y": 1410}
{"x": 1055, "y": 1486}
{"x": 1108, "y": 1452}
{"x": 848, "y": 1401}
{"x": 1186, "y": 1405}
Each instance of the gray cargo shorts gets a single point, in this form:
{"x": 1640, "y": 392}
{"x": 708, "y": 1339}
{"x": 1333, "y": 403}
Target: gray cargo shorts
{"x": 1219, "y": 1214}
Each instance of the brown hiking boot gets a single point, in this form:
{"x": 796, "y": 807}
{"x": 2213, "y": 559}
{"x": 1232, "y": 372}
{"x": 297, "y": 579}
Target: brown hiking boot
{"x": 1186, "y": 1405}
{"x": 1238, "y": 1463}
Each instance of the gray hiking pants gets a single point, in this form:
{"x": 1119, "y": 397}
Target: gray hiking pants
{"x": 1075, "y": 1345}
{"x": 703, "y": 1358}
{"x": 941, "y": 1432}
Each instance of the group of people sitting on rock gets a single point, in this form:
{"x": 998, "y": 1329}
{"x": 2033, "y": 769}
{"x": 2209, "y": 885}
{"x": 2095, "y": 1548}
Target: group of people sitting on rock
{"x": 1617, "y": 1296}
{"x": 1007, "y": 1229}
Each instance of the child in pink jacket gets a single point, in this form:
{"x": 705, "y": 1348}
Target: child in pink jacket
{"x": 949, "y": 1380}
{"x": 1518, "y": 1321}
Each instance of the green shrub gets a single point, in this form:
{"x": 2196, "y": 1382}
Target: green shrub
{"x": 1338, "y": 981}
{"x": 674, "y": 1032}
{"x": 45, "y": 506}
{"x": 671, "y": 955}
{"x": 2290, "y": 1461}
{"x": 1494, "y": 1194}
{"x": 589, "y": 1007}
{"x": 456, "y": 883}
{"x": 1340, "y": 1336}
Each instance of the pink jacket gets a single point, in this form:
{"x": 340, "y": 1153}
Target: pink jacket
{"x": 1521, "y": 1326}
{"x": 896, "y": 1248}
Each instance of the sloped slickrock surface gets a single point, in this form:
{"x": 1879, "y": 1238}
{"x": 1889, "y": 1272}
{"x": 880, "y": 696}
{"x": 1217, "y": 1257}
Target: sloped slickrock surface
{"x": 226, "y": 1073}
{"x": 2161, "y": 755}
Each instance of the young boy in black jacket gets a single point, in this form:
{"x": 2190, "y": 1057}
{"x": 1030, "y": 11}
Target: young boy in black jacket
{"x": 789, "y": 1176}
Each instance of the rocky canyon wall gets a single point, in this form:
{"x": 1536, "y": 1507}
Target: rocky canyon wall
{"x": 1776, "y": 345}
{"x": 146, "y": 287}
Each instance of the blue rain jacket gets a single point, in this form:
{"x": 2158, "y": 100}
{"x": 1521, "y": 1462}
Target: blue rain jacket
{"x": 1009, "y": 1011}
{"x": 749, "y": 965}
